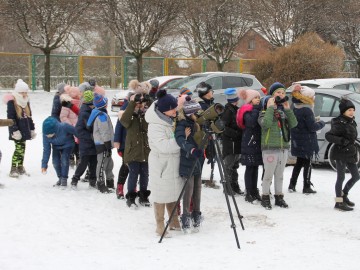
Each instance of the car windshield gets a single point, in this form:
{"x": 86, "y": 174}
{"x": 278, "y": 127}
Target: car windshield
{"x": 172, "y": 83}
{"x": 187, "y": 82}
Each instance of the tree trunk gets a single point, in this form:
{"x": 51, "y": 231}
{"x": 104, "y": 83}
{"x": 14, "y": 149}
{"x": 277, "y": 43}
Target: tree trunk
{"x": 47, "y": 70}
{"x": 358, "y": 68}
{"x": 220, "y": 66}
{"x": 139, "y": 64}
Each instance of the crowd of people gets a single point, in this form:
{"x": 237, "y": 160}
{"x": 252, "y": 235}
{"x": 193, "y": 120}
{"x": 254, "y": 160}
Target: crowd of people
{"x": 163, "y": 145}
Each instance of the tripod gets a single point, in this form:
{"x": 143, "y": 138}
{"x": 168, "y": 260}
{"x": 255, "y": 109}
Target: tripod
{"x": 224, "y": 182}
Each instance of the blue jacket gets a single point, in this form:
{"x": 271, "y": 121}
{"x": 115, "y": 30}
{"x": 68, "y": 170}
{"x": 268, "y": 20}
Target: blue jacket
{"x": 64, "y": 138}
{"x": 86, "y": 142}
{"x": 303, "y": 137}
{"x": 186, "y": 158}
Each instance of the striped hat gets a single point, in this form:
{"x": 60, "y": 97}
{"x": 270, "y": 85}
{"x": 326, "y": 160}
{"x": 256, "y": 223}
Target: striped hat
{"x": 231, "y": 95}
{"x": 100, "y": 101}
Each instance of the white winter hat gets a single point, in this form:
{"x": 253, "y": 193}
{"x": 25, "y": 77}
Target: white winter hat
{"x": 21, "y": 86}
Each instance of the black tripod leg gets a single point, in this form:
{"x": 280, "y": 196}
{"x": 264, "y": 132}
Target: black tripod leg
{"x": 226, "y": 186}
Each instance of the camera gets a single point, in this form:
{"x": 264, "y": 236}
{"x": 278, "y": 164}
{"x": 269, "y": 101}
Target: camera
{"x": 279, "y": 100}
{"x": 211, "y": 117}
{"x": 139, "y": 98}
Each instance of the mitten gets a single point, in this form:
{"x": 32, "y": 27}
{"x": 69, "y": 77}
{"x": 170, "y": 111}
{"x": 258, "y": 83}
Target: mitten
{"x": 197, "y": 152}
{"x": 33, "y": 134}
{"x": 16, "y": 135}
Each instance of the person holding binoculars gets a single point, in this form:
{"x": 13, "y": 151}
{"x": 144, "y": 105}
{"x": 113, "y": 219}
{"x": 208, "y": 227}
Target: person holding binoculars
{"x": 275, "y": 123}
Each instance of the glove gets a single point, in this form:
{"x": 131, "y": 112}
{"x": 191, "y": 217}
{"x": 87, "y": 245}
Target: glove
{"x": 66, "y": 104}
{"x": 16, "y": 135}
{"x": 197, "y": 152}
{"x": 33, "y": 134}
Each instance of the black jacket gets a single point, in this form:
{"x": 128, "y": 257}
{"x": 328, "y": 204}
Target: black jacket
{"x": 86, "y": 142}
{"x": 343, "y": 134}
{"x": 232, "y": 134}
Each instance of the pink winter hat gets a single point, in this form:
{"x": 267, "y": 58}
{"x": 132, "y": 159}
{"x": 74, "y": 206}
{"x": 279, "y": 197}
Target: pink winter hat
{"x": 248, "y": 94}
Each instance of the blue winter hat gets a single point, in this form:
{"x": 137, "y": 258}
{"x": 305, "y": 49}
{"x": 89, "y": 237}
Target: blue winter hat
{"x": 231, "y": 95}
{"x": 275, "y": 86}
{"x": 263, "y": 101}
{"x": 100, "y": 101}
{"x": 165, "y": 101}
{"x": 49, "y": 125}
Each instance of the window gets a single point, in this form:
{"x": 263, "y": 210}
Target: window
{"x": 216, "y": 83}
{"x": 233, "y": 81}
{"x": 324, "y": 106}
{"x": 251, "y": 45}
{"x": 343, "y": 86}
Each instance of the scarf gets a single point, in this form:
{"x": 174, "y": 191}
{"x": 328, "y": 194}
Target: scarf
{"x": 20, "y": 100}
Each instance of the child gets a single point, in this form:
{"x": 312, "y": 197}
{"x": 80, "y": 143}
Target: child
{"x": 231, "y": 140}
{"x": 343, "y": 134}
{"x": 154, "y": 88}
{"x": 251, "y": 155}
{"x": 18, "y": 109}
{"x": 185, "y": 133}
{"x": 103, "y": 135}
{"x": 164, "y": 159}
{"x": 304, "y": 143}
{"x": 56, "y": 107}
{"x": 5, "y": 123}
{"x": 59, "y": 137}
{"x": 276, "y": 123}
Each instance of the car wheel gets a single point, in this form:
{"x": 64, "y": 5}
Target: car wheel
{"x": 332, "y": 162}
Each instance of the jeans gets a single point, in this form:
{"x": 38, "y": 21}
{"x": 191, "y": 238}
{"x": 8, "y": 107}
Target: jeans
{"x": 341, "y": 168}
{"x": 61, "y": 161}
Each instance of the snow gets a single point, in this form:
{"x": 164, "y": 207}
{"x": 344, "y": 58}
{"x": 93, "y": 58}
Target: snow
{"x": 42, "y": 227}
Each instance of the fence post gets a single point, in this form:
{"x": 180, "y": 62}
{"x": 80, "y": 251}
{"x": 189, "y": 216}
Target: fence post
{"x": 166, "y": 67}
{"x": 125, "y": 72}
{"x": 204, "y": 65}
{"x": 81, "y": 69}
{"x": 241, "y": 65}
{"x": 33, "y": 72}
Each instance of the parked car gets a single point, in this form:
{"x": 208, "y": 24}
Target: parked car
{"x": 327, "y": 107}
{"x": 352, "y": 84}
{"x": 219, "y": 82}
{"x": 164, "y": 81}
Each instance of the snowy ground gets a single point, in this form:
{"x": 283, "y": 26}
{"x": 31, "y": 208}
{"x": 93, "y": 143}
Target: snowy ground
{"x": 42, "y": 227}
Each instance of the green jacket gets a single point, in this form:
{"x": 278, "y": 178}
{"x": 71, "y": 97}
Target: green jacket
{"x": 136, "y": 143}
{"x": 271, "y": 133}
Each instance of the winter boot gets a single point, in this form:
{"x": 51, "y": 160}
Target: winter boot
{"x": 185, "y": 223}
{"x": 248, "y": 197}
{"x": 102, "y": 188}
{"x": 256, "y": 195}
{"x": 159, "y": 210}
{"x": 279, "y": 201}
{"x": 236, "y": 188}
{"x": 74, "y": 181}
{"x": 63, "y": 182}
{"x": 14, "y": 172}
{"x": 307, "y": 188}
{"x": 21, "y": 170}
{"x": 92, "y": 183}
{"x": 292, "y": 187}
{"x": 347, "y": 201}
{"x": 341, "y": 205}
{"x": 196, "y": 218}
{"x": 58, "y": 183}
{"x": 130, "y": 199}
{"x": 144, "y": 198}
{"x": 110, "y": 183}
{"x": 265, "y": 202}
{"x": 87, "y": 176}
{"x": 174, "y": 224}
{"x": 120, "y": 191}
{"x": 210, "y": 184}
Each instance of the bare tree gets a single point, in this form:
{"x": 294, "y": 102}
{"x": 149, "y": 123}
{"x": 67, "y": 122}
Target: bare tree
{"x": 43, "y": 24}
{"x": 139, "y": 24}
{"x": 217, "y": 26}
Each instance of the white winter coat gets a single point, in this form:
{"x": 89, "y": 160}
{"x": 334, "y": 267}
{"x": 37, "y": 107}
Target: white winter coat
{"x": 164, "y": 158}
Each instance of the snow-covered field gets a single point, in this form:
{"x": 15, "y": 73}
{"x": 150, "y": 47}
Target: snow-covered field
{"x": 42, "y": 227}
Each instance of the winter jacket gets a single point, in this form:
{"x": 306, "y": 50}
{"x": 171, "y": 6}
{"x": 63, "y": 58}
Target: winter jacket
{"x": 272, "y": 136}
{"x": 86, "y": 142}
{"x": 206, "y": 103}
{"x": 103, "y": 131}
{"x": 22, "y": 117}
{"x": 64, "y": 138}
{"x": 187, "y": 160}
{"x": 136, "y": 143}
{"x": 343, "y": 134}
{"x": 304, "y": 142}
{"x": 247, "y": 117}
{"x": 68, "y": 116}
{"x": 56, "y": 107}
{"x": 164, "y": 158}
{"x": 232, "y": 133}
{"x": 120, "y": 131}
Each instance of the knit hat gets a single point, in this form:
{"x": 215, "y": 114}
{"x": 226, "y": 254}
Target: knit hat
{"x": 88, "y": 97}
{"x": 60, "y": 88}
{"x": 49, "y": 125}
{"x": 345, "y": 104}
{"x": 21, "y": 86}
{"x": 274, "y": 87}
{"x": 302, "y": 94}
{"x": 100, "y": 101}
{"x": 165, "y": 101}
{"x": 248, "y": 95}
{"x": 154, "y": 83}
{"x": 203, "y": 88}
{"x": 92, "y": 82}
{"x": 231, "y": 95}
{"x": 190, "y": 106}
{"x": 263, "y": 101}
{"x": 185, "y": 91}
{"x": 75, "y": 92}
{"x": 85, "y": 86}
